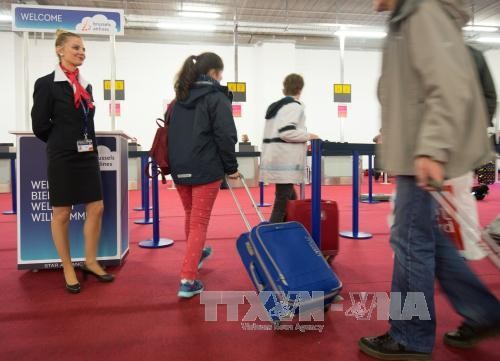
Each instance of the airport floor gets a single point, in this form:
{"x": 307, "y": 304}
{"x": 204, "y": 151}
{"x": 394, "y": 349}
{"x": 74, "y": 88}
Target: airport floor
{"x": 140, "y": 318}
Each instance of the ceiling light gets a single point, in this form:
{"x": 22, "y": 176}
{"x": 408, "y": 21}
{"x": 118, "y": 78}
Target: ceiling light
{"x": 186, "y": 26}
{"x": 362, "y": 34}
{"x": 199, "y": 8}
{"x": 198, "y": 14}
{"x": 335, "y": 25}
{"x": 488, "y": 40}
{"x": 483, "y": 29}
{"x": 5, "y": 17}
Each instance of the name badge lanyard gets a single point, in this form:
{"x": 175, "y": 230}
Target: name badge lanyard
{"x": 86, "y": 112}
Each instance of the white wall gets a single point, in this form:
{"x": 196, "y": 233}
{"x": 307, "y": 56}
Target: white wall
{"x": 7, "y": 86}
{"x": 149, "y": 69}
{"x": 321, "y": 69}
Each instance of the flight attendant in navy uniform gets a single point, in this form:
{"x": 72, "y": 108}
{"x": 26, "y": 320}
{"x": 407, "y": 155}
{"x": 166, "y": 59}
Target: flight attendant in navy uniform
{"x": 63, "y": 117}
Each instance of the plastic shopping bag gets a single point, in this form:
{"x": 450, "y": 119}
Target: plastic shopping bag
{"x": 465, "y": 237}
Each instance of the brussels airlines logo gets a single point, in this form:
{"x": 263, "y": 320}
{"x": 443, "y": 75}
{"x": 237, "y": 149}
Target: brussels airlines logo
{"x": 108, "y": 160}
{"x": 96, "y": 24}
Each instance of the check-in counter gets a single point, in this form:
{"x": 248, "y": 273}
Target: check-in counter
{"x": 337, "y": 170}
{"x": 248, "y": 165}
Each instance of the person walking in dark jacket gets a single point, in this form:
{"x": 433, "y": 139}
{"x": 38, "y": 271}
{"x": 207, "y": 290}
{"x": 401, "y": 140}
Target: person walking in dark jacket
{"x": 201, "y": 149}
{"x": 487, "y": 84}
{"x": 485, "y": 173}
{"x": 63, "y": 117}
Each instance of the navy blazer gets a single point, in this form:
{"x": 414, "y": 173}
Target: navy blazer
{"x": 55, "y": 120}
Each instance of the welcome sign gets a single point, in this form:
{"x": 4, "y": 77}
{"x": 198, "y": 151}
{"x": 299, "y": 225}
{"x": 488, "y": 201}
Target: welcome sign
{"x": 80, "y": 20}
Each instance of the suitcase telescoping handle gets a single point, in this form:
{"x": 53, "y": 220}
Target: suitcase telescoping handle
{"x": 487, "y": 243}
{"x": 238, "y": 205}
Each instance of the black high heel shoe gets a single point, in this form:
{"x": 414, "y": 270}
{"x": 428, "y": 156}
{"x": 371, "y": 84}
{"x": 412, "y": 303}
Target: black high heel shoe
{"x": 101, "y": 278}
{"x": 73, "y": 288}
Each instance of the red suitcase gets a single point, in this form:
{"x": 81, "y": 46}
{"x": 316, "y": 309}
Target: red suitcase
{"x": 300, "y": 211}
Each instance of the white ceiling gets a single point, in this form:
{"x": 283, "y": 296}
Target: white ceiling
{"x": 300, "y": 20}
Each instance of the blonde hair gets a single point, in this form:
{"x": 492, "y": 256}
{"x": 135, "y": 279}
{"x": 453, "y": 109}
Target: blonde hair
{"x": 62, "y": 36}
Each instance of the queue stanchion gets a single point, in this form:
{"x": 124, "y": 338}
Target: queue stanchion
{"x": 316, "y": 150}
{"x": 13, "y": 187}
{"x": 386, "y": 179}
{"x": 355, "y": 233}
{"x": 144, "y": 184}
{"x": 261, "y": 196}
{"x": 147, "y": 218}
{"x": 370, "y": 199}
{"x": 156, "y": 241}
{"x": 302, "y": 191}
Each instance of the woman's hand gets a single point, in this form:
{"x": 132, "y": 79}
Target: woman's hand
{"x": 313, "y": 136}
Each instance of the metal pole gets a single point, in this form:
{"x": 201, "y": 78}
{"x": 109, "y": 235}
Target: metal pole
{"x": 342, "y": 59}
{"x": 370, "y": 178}
{"x": 261, "y": 194}
{"x": 236, "y": 44}
{"x": 156, "y": 241}
{"x": 146, "y": 201}
{"x": 156, "y": 205}
{"x": 13, "y": 180}
{"x": 112, "y": 39}
{"x": 371, "y": 171}
{"x": 145, "y": 193}
{"x": 316, "y": 191}
{"x": 26, "y": 44}
{"x": 355, "y": 233}
{"x": 355, "y": 194}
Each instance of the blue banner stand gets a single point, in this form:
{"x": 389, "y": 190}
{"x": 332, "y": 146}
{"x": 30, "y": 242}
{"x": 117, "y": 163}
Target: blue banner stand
{"x": 144, "y": 184}
{"x": 156, "y": 242}
{"x": 370, "y": 199}
{"x": 13, "y": 185}
{"x": 316, "y": 190}
{"x": 355, "y": 233}
{"x": 261, "y": 193}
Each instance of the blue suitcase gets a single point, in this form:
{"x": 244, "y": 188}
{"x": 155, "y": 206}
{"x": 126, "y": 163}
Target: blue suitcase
{"x": 286, "y": 267}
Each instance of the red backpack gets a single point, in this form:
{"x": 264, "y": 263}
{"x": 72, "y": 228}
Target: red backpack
{"x": 159, "y": 149}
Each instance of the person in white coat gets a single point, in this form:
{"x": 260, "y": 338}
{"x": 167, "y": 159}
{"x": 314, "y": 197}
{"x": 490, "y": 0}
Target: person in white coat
{"x": 284, "y": 149}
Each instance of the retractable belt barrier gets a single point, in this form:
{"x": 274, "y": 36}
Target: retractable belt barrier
{"x": 156, "y": 241}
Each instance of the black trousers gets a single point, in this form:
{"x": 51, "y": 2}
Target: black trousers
{"x": 284, "y": 193}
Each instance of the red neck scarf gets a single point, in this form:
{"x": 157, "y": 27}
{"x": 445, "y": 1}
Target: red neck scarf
{"x": 79, "y": 91}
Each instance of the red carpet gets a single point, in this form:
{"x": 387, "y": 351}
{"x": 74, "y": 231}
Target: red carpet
{"x": 139, "y": 317}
